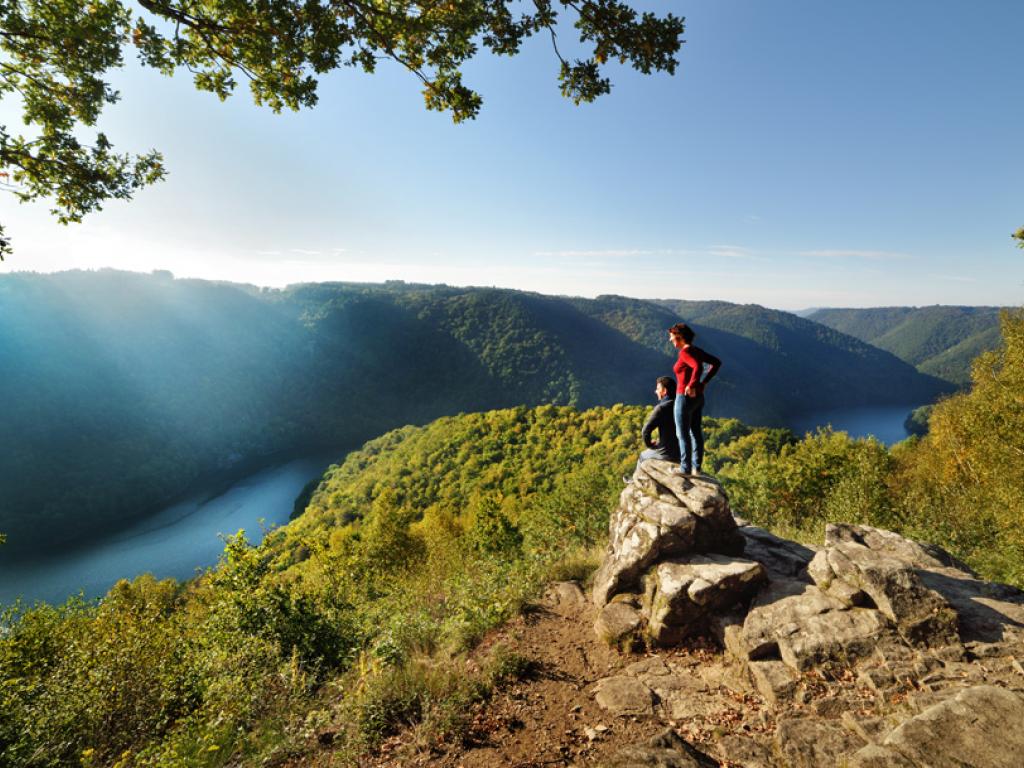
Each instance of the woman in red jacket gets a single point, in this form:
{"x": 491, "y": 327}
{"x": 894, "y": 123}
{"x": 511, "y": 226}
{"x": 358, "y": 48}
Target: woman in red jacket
{"x": 689, "y": 405}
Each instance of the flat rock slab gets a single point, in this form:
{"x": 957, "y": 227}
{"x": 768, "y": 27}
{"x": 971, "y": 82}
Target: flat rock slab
{"x": 624, "y": 695}
{"x": 810, "y": 743}
{"x": 982, "y": 727}
{"x": 781, "y": 558}
{"x": 666, "y": 750}
{"x": 836, "y": 636}
{"x": 653, "y": 666}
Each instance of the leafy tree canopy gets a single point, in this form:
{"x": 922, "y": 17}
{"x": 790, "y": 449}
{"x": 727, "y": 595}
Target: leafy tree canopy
{"x": 55, "y": 55}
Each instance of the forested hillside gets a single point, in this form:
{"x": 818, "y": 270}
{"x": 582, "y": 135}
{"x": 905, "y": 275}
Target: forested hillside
{"x": 125, "y": 388}
{"x": 940, "y": 341}
{"x": 353, "y": 621}
{"x": 813, "y": 364}
{"x": 349, "y": 620}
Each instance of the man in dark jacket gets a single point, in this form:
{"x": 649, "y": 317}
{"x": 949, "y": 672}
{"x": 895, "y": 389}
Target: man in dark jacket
{"x": 661, "y": 418}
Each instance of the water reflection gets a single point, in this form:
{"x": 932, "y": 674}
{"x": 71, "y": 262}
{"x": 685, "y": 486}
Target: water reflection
{"x": 176, "y": 542}
{"x": 883, "y": 422}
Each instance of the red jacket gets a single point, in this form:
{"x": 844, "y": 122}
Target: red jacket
{"x": 689, "y": 367}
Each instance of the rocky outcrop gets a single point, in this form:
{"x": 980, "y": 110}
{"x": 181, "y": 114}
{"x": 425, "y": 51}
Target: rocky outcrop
{"x": 671, "y": 558}
{"x": 870, "y": 650}
{"x": 860, "y": 575}
{"x": 662, "y": 515}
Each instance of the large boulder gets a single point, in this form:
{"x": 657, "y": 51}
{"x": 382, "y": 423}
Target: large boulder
{"x": 798, "y": 623}
{"x": 662, "y": 515}
{"x": 681, "y": 594}
{"x": 858, "y": 575}
{"x": 704, "y": 496}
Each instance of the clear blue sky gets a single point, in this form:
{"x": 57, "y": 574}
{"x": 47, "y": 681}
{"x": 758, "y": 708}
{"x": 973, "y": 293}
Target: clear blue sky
{"x": 806, "y": 153}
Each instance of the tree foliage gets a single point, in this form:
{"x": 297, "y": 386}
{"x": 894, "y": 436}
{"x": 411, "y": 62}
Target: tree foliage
{"x": 55, "y": 57}
{"x": 409, "y": 552}
{"x": 957, "y": 486}
{"x": 972, "y": 461}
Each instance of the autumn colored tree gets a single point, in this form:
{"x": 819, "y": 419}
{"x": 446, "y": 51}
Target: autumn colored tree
{"x": 55, "y": 56}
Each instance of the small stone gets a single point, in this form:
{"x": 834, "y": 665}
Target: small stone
{"x": 617, "y": 622}
{"x": 624, "y": 695}
{"x": 653, "y": 666}
{"x": 810, "y": 743}
{"x": 565, "y": 598}
{"x": 871, "y": 729}
{"x": 775, "y": 681}
{"x": 876, "y": 678}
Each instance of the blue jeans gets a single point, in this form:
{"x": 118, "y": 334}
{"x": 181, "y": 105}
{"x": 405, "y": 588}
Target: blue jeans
{"x": 654, "y": 453}
{"x": 688, "y": 412}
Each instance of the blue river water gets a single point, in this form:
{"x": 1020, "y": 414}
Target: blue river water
{"x": 178, "y": 541}
{"x": 184, "y": 538}
{"x": 885, "y": 422}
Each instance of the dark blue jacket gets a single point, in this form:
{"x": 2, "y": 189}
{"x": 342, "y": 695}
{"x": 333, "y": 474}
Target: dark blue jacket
{"x": 662, "y": 419}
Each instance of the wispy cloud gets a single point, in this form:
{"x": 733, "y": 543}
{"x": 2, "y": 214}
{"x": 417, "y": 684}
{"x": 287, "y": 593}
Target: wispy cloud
{"x": 857, "y": 254}
{"x": 732, "y": 252}
{"x": 610, "y": 253}
{"x": 957, "y": 278}
{"x": 712, "y": 251}
{"x": 302, "y": 254}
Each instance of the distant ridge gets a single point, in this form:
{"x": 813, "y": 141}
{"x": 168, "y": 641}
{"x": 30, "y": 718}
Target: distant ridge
{"x": 940, "y": 341}
{"x": 130, "y": 387}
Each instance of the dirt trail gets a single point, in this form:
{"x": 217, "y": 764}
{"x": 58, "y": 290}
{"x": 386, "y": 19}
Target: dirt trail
{"x": 551, "y": 718}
